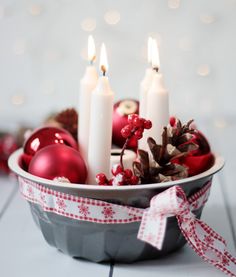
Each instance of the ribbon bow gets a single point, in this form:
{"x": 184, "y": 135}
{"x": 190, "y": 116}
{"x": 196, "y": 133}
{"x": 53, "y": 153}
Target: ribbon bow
{"x": 205, "y": 242}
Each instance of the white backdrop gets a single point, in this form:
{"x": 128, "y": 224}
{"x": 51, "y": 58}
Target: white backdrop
{"x": 43, "y": 46}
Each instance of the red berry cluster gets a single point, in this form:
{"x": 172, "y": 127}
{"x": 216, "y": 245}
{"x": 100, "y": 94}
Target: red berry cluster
{"x": 135, "y": 127}
{"x": 121, "y": 177}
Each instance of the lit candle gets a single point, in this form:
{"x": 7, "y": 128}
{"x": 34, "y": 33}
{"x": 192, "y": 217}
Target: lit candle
{"x": 100, "y": 124}
{"x": 157, "y": 100}
{"x": 87, "y": 85}
{"x": 144, "y": 87}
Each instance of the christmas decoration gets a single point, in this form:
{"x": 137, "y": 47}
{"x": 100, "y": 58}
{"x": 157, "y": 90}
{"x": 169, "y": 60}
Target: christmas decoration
{"x": 121, "y": 176}
{"x": 46, "y": 136}
{"x": 8, "y": 144}
{"x": 121, "y": 111}
{"x": 59, "y": 161}
{"x": 68, "y": 120}
{"x": 184, "y": 152}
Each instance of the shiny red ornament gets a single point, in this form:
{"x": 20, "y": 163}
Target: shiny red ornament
{"x": 59, "y": 161}
{"x": 121, "y": 111}
{"x": 25, "y": 161}
{"x": 199, "y": 160}
{"x": 45, "y": 136}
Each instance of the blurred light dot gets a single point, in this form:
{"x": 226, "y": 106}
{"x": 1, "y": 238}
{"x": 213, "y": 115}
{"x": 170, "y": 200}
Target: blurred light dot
{"x": 48, "y": 87}
{"x": 185, "y": 44}
{"x": 2, "y": 11}
{"x": 19, "y": 47}
{"x": 203, "y": 70}
{"x": 173, "y": 4}
{"x": 84, "y": 54}
{"x": 207, "y": 18}
{"x": 17, "y": 99}
{"x": 220, "y": 123}
{"x": 112, "y": 17}
{"x": 88, "y": 24}
{"x": 35, "y": 9}
{"x": 53, "y": 55}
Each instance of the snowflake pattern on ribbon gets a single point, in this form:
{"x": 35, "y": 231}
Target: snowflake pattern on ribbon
{"x": 84, "y": 210}
{"x": 61, "y": 204}
{"x": 108, "y": 212}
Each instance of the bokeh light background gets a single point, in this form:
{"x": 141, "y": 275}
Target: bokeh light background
{"x": 43, "y": 53}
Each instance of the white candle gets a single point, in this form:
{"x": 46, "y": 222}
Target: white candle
{"x": 87, "y": 85}
{"x": 144, "y": 87}
{"x": 146, "y": 82}
{"x": 100, "y": 125}
{"x": 157, "y": 101}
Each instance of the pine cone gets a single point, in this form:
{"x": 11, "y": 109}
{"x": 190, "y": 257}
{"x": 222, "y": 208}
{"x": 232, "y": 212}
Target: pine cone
{"x": 177, "y": 142}
{"x": 68, "y": 119}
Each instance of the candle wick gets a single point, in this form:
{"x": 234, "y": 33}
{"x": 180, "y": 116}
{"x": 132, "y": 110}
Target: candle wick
{"x": 103, "y": 70}
{"x": 156, "y": 69}
{"x": 92, "y": 60}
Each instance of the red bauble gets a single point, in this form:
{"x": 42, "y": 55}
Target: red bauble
{"x": 55, "y": 161}
{"x": 25, "y": 161}
{"x": 8, "y": 144}
{"x": 198, "y": 160}
{"x": 197, "y": 164}
{"x": 47, "y": 136}
{"x": 121, "y": 111}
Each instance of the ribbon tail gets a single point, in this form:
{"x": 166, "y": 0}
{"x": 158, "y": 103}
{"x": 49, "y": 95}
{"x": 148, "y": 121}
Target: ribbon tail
{"x": 152, "y": 229}
{"x": 209, "y": 245}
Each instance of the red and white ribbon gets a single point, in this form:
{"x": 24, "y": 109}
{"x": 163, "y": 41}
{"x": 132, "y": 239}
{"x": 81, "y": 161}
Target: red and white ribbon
{"x": 172, "y": 202}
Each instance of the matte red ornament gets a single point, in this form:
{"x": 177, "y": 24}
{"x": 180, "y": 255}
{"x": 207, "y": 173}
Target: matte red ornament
{"x": 121, "y": 111}
{"x": 55, "y": 161}
{"x": 8, "y": 144}
{"x": 47, "y": 136}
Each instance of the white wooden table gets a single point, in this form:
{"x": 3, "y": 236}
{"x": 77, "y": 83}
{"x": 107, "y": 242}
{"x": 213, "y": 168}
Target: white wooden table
{"x": 23, "y": 251}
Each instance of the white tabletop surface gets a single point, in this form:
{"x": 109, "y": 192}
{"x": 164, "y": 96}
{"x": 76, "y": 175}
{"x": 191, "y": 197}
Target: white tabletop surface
{"x": 25, "y": 253}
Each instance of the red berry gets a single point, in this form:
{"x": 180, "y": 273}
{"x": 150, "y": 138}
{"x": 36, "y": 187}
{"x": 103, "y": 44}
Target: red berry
{"x": 126, "y": 131}
{"x": 172, "y": 121}
{"x": 134, "y": 180}
{"x": 131, "y": 118}
{"x": 101, "y": 179}
{"x": 137, "y": 122}
{"x": 138, "y": 134}
{"x": 110, "y": 182}
{"x": 147, "y": 124}
{"x": 116, "y": 169}
{"x": 128, "y": 173}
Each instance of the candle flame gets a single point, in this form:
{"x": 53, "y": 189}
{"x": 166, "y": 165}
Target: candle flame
{"x": 149, "y": 50}
{"x": 155, "y": 55}
{"x": 91, "y": 49}
{"x": 103, "y": 59}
